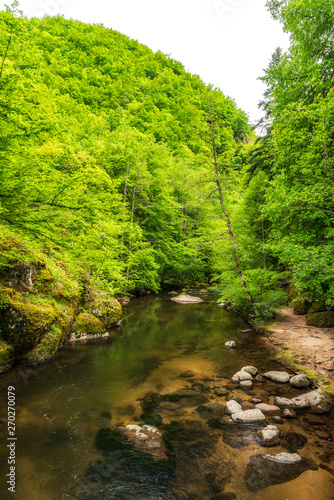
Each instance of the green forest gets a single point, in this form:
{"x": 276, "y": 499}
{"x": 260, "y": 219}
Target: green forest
{"x": 122, "y": 172}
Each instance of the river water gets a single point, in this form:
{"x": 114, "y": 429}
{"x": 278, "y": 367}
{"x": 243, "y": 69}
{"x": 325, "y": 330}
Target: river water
{"x": 162, "y": 347}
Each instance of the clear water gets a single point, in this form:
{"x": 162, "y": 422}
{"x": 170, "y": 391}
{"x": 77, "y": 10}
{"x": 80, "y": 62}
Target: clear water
{"x": 61, "y": 406}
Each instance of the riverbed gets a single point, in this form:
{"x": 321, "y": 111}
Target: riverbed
{"x": 161, "y": 347}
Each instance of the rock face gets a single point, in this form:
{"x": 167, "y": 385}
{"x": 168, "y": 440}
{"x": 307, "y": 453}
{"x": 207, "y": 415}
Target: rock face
{"x": 300, "y": 381}
{"x": 183, "y": 298}
{"x": 38, "y": 307}
{"x": 269, "y": 436}
{"x": 242, "y": 375}
{"x": 318, "y": 400}
{"x": 249, "y": 416}
{"x": 280, "y": 377}
{"x": 263, "y": 471}
{"x": 147, "y": 439}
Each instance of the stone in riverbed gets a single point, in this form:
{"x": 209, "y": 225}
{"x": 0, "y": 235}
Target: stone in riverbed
{"x": 186, "y": 397}
{"x": 220, "y": 391}
{"x": 230, "y": 344}
{"x": 300, "y": 381}
{"x": 239, "y": 376}
{"x": 318, "y": 400}
{"x": 183, "y": 298}
{"x": 249, "y": 416}
{"x": 269, "y": 436}
{"x": 233, "y": 407}
{"x": 280, "y": 377}
{"x": 267, "y": 470}
{"x": 272, "y": 409}
{"x": 289, "y": 413}
{"x": 246, "y": 384}
{"x": 250, "y": 369}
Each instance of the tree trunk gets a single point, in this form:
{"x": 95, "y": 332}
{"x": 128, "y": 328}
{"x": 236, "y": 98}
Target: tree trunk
{"x": 227, "y": 218}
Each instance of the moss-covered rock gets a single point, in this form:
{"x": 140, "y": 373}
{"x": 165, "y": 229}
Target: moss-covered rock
{"x": 6, "y": 356}
{"x": 323, "y": 319}
{"x": 43, "y": 279}
{"x": 107, "y": 309}
{"x": 88, "y": 324}
{"x": 45, "y": 349}
{"x": 23, "y": 324}
{"x": 318, "y": 307}
{"x": 302, "y": 305}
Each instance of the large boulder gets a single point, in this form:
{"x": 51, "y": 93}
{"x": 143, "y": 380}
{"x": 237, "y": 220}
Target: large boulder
{"x": 183, "y": 298}
{"x": 275, "y": 376}
{"x": 45, "y": 349}
{"x": 23, "y": 324}
{"x": 267, "y": 470}
{"x": 318, "y": 400}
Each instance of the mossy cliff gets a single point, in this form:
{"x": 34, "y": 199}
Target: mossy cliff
{"x": 40, "y": 307}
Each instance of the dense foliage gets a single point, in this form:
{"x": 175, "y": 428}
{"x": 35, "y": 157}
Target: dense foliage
{"x": 119, "y": 163}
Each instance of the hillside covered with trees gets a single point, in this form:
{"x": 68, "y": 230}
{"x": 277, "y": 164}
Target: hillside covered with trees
{"x": 118, "y": 166}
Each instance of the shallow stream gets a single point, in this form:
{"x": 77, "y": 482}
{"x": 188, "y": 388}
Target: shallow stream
{"x": 162, "y": 347}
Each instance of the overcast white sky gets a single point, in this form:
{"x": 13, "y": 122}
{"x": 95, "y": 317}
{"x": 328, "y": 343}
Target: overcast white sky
{"x": 226, "y": 42}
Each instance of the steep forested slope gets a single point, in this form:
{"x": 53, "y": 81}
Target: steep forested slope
{"x": 106, "y": 154}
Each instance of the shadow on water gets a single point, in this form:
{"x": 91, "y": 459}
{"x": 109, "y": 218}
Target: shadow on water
{"x": 168, "y": 368}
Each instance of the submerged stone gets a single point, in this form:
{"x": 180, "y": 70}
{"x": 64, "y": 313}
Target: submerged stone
{"x": 186, "y": 397}
{"x": 267, "y": 470}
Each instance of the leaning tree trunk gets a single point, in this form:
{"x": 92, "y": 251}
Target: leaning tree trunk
{"x": 226, "y": 215}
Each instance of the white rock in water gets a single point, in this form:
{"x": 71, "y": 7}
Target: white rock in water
{"x": 281, "y": 377}
{"x": 300, "y": 381}
{"x": 230, "y": 344}
{"x": 249, "y": 416}
{"x": 183, "y": 298}
{"x": 269, "y": 435}
{"x": 284, "y": 458}
{"x": 239, "y": 376}
{"x": 233, "y": 407}
{"x": 247, "y": 384}
{"x": 250, "y": 369}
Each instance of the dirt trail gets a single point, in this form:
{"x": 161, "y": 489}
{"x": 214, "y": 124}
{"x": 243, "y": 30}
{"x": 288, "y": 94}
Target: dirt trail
{"x": 312, "y": 347}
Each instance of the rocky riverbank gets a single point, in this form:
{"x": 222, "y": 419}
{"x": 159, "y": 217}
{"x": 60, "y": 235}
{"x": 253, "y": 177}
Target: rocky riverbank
{"x": 308, "y": 347}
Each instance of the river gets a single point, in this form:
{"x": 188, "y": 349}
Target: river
{"x": 162, "y": 347}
